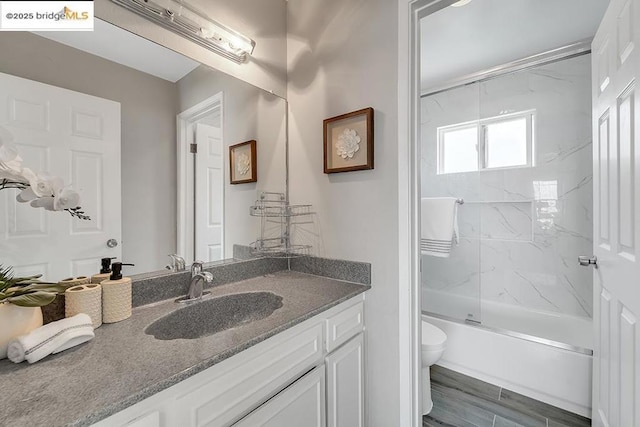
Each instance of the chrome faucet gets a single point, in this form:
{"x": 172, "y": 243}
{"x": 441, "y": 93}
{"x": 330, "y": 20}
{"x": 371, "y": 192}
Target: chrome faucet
{"x": 196, "y": 286}
{"x": 196, "y": 268}
{"x": 177, "y": 263}
{"x": 198, "y": 279}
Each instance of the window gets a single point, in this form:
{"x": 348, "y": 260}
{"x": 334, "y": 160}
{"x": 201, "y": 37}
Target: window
{"x": 460, "y": 145}
{"x": 498, "y": 142}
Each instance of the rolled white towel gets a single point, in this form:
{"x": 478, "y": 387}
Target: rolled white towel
{"x": 51, "y": 338}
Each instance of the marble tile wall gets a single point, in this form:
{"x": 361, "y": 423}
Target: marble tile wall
{"x": 523, "y": 228}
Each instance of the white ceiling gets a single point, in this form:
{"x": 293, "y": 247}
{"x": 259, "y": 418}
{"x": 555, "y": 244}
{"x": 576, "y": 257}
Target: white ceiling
{"x": 457, "y": 41}
{"x": 118, "y": 45}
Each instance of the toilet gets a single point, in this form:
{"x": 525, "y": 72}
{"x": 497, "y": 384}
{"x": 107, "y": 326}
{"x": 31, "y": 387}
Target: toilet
{"x": 434, "y": 342}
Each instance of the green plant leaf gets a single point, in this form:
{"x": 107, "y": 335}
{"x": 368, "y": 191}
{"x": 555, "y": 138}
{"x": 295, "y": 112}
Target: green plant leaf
{"x": 44, "y": 287}
{"x": 26, "y": 278}
{"x": 32, "y": 299}
{"x": 13, "y": 287}
{"x": 6, "y": 275}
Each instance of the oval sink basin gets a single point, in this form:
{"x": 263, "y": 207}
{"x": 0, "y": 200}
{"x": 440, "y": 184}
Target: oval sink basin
{"x": 211, "y": 316}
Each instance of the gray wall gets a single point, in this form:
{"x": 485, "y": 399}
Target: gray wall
{"x": 343, "y": 56}
{"x": 149, "y": 108}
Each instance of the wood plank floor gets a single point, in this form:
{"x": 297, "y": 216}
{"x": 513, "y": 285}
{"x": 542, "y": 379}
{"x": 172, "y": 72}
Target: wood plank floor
{"x": 462, "y": 401}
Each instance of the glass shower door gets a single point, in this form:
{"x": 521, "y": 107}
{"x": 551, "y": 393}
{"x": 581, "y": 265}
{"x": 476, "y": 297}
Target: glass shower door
{"x": 450, "y": 160}
{"x": 536, "y": 199}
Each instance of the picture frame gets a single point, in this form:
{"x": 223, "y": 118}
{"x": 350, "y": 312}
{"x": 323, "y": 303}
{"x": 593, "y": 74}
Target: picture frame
{"x": 348, "y": 142}
{"x": 243, "y": 163}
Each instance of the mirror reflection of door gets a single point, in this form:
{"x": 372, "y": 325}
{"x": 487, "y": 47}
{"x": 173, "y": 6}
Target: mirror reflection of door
{"x": 76, "y": 137}
{"x": 152, "y": 85}
{"x": 209, "y": 190}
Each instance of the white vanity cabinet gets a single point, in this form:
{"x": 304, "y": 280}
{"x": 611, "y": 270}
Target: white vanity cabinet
{"x": 309, "y": 375}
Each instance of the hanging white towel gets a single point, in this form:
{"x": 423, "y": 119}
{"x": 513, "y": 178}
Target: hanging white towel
{"x": 51, "y": 338}
{"x": 439, "y": 225}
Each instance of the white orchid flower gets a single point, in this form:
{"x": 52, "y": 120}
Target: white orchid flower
{"x": 40, "y": 185}
{"x": 63, "y": 199}
{"x": 28, "y": 174}
{"x": 27, "y": 194}
{"x": 41, "y": 190}
{"x": 66, "y": 199}
{"x": 43, "y": 202}
{"x": 8, "y": 152}
{"x": 45, "y": 185}
{"x": 10, "y": 161}
{"x": 12, "y": 170}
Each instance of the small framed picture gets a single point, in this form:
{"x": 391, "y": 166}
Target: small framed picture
{"x": 348, "y": 142}
{"x": 244, "y": 167}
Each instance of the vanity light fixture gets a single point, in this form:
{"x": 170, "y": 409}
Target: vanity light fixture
{"x": 194, "y": 25}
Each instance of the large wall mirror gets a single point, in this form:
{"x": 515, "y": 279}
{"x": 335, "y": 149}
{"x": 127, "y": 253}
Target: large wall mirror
{"x": 115, "y": 116}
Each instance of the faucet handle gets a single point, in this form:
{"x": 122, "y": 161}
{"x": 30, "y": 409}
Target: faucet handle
{"x": 196, "y": 287}
{"x": 177, "y": 263}
{"x": 196, "y": 268}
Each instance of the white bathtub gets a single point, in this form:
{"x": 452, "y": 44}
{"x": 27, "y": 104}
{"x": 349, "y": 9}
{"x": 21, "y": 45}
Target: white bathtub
{"x": 548, "y": 373}
{"x": 573, "y": 330}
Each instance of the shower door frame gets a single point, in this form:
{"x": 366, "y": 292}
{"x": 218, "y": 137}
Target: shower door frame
{"x": 409, "y": 14}
{"x": 569, "y": 51}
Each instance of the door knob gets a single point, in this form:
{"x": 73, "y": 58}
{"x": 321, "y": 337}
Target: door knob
{"x": 112, "y": 243}
{"x": 586, "y": 261}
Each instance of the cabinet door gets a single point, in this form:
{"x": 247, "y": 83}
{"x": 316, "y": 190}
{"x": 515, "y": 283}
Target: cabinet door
{"x": 300, "y": 404}
{"x": 345, "y": 384}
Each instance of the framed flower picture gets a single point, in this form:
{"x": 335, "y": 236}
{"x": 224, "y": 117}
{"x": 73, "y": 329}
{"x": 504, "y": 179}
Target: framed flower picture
{"x": 348, "y": 142}
{"x": 244, "y": 167}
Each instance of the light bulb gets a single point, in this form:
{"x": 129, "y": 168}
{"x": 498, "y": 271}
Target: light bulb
{"x": 461, "y": 3}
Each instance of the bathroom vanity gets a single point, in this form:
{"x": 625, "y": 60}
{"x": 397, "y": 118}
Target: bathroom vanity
{"x": 309, "y": 375}
{"x": 299, "y": 359}
{"x": 270, "y": 341}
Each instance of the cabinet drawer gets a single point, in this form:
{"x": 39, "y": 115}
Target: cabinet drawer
{"x": 344, "y": 325}
{"x": 251, "y": 377}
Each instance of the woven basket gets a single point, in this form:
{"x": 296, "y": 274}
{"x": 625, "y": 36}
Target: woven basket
{"x": 85, "y": 299}
{"x": 116, "y": 300}
{"x": 99, "y": 278}
{"x": 56, "y": 310}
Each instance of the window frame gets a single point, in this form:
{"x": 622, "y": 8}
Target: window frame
{"x": 482, "y": 143}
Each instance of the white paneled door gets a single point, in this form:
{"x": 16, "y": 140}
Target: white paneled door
{"x": 74, "y": 136}
{"x": 616, "y": 119}
{"x": 209, "y": 194}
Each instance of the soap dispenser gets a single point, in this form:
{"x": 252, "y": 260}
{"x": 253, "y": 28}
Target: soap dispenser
{"x": 116, "y": 295}
{"x": 105, "y": 271}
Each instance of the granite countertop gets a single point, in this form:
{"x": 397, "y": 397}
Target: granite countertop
{"x": 122, "y": 365}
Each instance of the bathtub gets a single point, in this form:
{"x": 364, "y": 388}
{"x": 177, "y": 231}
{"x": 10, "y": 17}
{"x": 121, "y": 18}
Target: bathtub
{"x": 555, "y": 370}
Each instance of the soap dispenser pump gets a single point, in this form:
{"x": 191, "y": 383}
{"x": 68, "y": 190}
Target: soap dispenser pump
{"x": 116, "y": 295}
{"x": 105, "y": 271}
